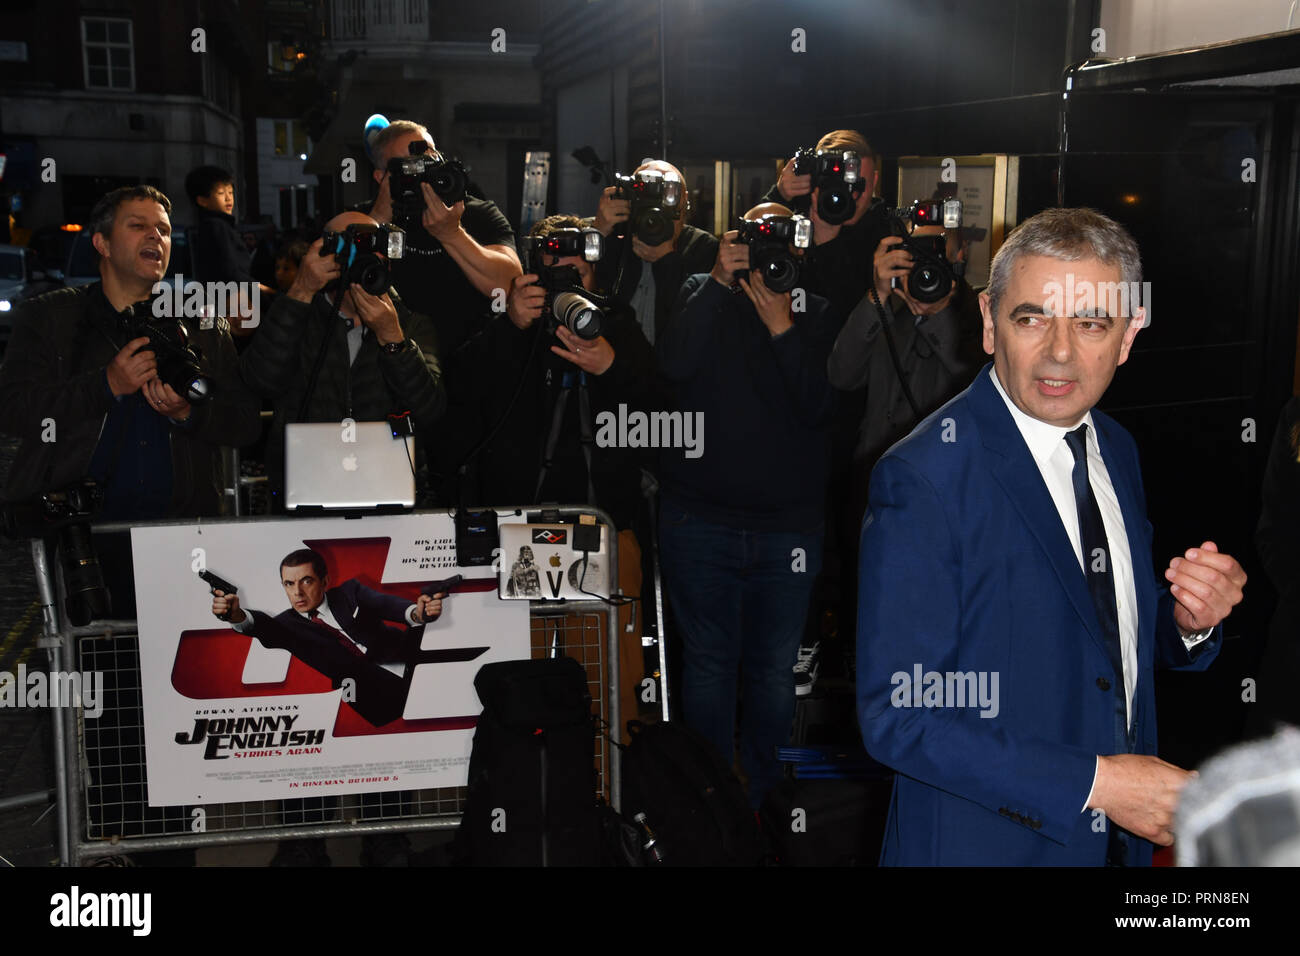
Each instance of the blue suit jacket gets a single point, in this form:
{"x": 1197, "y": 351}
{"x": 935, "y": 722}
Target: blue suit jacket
{"x": 966, "y": 567}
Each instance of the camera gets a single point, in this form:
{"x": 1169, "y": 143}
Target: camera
{"x": 67, "y": 512}
{"x": 178, "y": 360}
{"x": 656, "y": 204}
{"x": 932, "y": 276}
{"x": 363, "y": 252}
{"x": 770, "y": 239}
{"x": 568, "y": 303}
{"x": 837, "y": 177}
{"x": 447, "y": 177}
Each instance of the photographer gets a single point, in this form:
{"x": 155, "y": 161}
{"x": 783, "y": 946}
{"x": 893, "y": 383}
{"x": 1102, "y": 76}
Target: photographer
{"x": 741, "y": 526}
{"x": 80, "y": 387}
{"x": 649, "y": 293}
{"x": 937, "y": 345}
{"x": 938, "y": 350}
{"x": 517, "y": 369}
{"x": 836, "y": 265}
{"x": 378, "y": 357}
{"x": 456, "y": 256}
{"x": 80, "y": 384}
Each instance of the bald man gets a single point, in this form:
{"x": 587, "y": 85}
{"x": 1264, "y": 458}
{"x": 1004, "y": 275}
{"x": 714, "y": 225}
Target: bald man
{"x": 742, "y": 523}
{"x": 380, "y": 357}
{"x": 620, "y": 273}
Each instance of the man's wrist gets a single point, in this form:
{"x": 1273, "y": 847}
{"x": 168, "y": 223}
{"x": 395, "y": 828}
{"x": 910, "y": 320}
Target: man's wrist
{"x": 301, "y": 294}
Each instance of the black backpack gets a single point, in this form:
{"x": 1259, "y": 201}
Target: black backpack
{"x": 694, "y": 806}
{"x": 532, "y": 777}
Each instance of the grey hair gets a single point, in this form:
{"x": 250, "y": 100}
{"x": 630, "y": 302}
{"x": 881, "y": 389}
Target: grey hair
{"x": 392, "y": 131}
{"x": 1070, "y": 235}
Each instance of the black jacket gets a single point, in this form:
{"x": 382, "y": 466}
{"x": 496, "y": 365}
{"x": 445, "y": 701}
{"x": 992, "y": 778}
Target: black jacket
{"x": 940, "y": 355}
{"x": 54, "y": 371}
{"x": 619, "y": 270}
{"x": 217, "y": 250}
{"x": 278, "y": 362}
{"x": 503, "y": 358}
{"x": 766, "y": 406}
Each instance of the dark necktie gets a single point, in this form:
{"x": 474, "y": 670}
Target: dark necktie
{"x": 1100, "y": 572}
{"x": 1097, "y": 564}
{"x": 347, "y": 643}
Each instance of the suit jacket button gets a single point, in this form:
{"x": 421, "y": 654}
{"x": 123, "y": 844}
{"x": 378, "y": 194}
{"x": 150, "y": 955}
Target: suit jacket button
{"x": 1103, "y": 683}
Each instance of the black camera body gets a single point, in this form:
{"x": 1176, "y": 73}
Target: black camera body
{"x": 447, "y": 177}
{"x": 656, "y": 204}
{"x": 67, "y": 513}
{"x": 568, "y": 303}
{"x": 933, "y": 276}
{"x": 363, "y": 251}
{"x": 769, "y": 240}
{"x": 179, "y": 362}
{"x": 837, "y": 177}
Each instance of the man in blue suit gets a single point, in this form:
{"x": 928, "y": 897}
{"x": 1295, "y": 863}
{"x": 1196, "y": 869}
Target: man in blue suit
{"x": 1010, "y": 625}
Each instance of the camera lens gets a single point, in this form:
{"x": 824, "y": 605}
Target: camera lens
{"x": 779, "y": 269}
{"x": 578, "y": 314}
{"x": 654, "y": 227}
{"x": 83, "y": 578}
{"x": 835, "y": 204}
{"x": 371, "y": 273}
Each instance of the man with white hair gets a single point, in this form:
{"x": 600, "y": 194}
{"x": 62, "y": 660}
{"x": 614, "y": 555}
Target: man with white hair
{"x": 1010, "y": 625}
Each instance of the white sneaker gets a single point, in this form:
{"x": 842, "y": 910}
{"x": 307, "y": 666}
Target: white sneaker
{"x": 805, "y": 669}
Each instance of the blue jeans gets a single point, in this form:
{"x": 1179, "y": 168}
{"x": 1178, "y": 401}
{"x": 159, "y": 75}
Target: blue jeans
{"x": 740, "y": 600}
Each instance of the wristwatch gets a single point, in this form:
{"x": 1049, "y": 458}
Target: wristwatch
{"x": 396, "y": 348}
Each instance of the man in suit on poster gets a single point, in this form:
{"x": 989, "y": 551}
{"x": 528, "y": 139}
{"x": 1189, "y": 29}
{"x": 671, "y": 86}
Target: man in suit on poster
{"x": 341, "y": 632}
{"x": 1010, "y": 624}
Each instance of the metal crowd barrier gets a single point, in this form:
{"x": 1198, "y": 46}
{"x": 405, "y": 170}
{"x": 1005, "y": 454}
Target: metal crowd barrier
{"x": 100, "y": 775}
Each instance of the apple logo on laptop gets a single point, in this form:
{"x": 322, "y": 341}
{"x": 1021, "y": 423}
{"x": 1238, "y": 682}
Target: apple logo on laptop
{"x": 350, "y": 463}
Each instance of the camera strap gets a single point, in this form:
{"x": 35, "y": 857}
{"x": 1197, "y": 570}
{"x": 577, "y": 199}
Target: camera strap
{"x": 585, "y": 432}
{"x": 893, "y": 352}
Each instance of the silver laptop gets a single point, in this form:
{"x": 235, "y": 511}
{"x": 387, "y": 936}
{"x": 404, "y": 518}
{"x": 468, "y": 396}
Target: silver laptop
{"x": 538, "y": 562}
{"x": 361, "y": 465}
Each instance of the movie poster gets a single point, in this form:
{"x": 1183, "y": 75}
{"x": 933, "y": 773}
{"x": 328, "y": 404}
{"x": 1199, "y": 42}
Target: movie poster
{"x": 351, "y": 667}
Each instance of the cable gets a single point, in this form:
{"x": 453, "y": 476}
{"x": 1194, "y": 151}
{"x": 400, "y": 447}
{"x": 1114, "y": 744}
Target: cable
{"x": 893, "y": 353}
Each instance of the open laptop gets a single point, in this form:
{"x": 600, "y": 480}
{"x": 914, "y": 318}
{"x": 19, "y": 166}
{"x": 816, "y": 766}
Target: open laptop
{"x": 323, "y": 469}
{"x": 538, "y": 562}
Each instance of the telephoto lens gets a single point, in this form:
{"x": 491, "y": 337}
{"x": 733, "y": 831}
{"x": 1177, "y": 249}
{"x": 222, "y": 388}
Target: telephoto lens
{"x": 577, "y": 313}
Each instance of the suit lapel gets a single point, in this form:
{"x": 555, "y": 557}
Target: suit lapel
{"x": 1016, "y": 471}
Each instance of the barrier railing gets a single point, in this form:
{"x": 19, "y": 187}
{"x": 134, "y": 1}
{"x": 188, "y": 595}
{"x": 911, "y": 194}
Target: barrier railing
{"x": 100, "y": 773}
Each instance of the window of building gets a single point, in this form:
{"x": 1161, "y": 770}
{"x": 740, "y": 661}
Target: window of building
{"x": 291, "y": 138}
{"x": 107, "y": 54}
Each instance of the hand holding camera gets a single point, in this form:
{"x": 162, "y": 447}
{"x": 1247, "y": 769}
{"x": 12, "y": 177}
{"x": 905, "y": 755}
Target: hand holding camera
{"x": 163, "y": 399}
{"x": 792, "y": 184}
{"x": 611, "y": 212}
{"x": 315, "y": 272}
{"x": 591, "y": 355}
{"x": 773, "y": 307}
{"x": 891, "y": 261}
{"x": 440, "y": 220}
{"x": 526, "y": 301}
{"x": 733, "y": 257}
{"x": 131, "y": 368}
{"x": 378, "y": 314}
